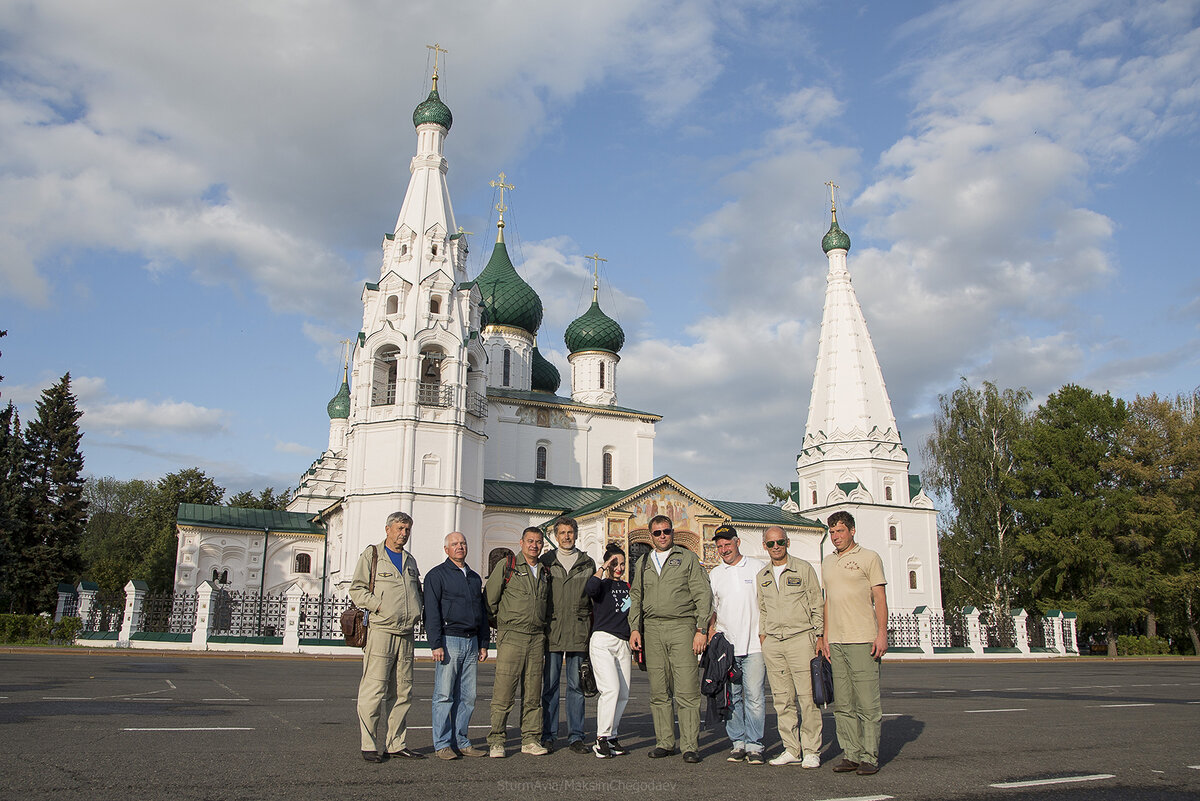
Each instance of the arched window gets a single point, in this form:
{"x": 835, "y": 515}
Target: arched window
{"x": 435, "y": 306}
{"x": 540, "y": 468}
{"x": 814, "y": 500}
{"x": 606, "y": 468}
{"x": 887, "y": 493}
{"x": 383, "y": 376}
{"x": 601, "y": 375}
{"x": 912, "y": 579}
{"x": 892, "y": 533}
{"x": 404, "y": 250}
{"x": 393, "y": 304}
{"x": 507, "y": 367}
{"x": 303, "y": 563}
{"x": 435, "y": 250}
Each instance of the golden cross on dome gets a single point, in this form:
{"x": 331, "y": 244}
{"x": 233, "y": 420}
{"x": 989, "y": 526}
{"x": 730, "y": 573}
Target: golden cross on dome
{"x": 596, "y": 259}
{"x": 832, "y": 198}
{"x": 436, "y": 48}
{"x": 500, "y": 207}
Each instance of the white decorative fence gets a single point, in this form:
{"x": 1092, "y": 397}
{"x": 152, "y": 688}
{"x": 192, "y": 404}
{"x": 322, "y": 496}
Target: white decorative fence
{"x": 219, "y": 620}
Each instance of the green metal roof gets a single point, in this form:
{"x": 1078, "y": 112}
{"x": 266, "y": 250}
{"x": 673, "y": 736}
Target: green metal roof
{"x": 849, "y": 486}
{"x": 198, "y": 514}
{"x": 432, "y": 109}
{"x": 763, "y": 513}
{"x": 594, "y": 330}
{"x": 836, "y": 238}
{"x": 545, "y": 377}
{"x": 507, "y": 298}
{"x": 542, "y": 397}
{"x": 583, "y": 501}
{"x": 542, "y": 495}
{"x": 914, "y": 486}
{"x": 339, "y": 406}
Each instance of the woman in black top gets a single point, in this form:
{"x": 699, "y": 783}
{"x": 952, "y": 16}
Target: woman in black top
{"x": 609, "y": 648}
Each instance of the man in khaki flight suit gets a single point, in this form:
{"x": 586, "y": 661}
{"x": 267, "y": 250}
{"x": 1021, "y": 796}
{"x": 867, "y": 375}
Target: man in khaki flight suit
{"x": 670, "y": 603}
{"x": 791, "y": 619}
{"x": 518, "y": 601}
{"x": 393, "y": 611}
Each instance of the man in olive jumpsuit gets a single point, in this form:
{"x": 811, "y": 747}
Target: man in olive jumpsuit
{"x": 393, "y": 611}
{"x": 517, "y": 598}
{"x": 670, "y": 606}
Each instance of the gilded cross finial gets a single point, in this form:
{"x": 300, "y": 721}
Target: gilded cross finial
{"x": 832, "y": 198}
{"x": 345, "y": 343}
{"x": 596, "y": 259}
{"x": 436, "y": 48}
{"x": 500, "y": 207}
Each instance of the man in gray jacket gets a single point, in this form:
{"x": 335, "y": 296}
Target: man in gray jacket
{"x": 393, "y": 611}
{"x": 568, "y": 570}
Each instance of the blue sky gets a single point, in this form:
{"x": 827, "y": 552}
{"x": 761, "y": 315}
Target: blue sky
{"x": 191, "y": 196}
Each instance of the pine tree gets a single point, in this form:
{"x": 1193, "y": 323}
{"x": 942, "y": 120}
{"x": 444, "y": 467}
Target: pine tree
{"x": 59, "y": 510}
{"x": 1079, "y": 535}
{"x": 14, "y": 509}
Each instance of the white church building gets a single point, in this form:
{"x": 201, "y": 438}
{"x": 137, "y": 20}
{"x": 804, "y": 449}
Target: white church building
{"x": 448, "y": 412}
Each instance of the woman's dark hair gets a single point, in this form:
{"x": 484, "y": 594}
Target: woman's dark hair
{"x": 612, "y": 550}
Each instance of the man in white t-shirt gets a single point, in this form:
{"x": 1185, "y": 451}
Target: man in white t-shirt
{"x": 735, "y": 614}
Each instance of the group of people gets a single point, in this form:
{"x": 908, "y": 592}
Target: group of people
{"x": 551, "y": 610}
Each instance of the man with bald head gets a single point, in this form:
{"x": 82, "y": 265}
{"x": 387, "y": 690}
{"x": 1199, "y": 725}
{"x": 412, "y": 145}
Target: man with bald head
{"x": 456, "y": 626}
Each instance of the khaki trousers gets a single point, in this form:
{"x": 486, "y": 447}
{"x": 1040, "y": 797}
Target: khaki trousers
{"x": 519, "y": 661}
{"x": 386, "y": 684}
{"x": 674, "y": 674}
{"x": 790, "y": 678}
{"x": 856, "y": 708}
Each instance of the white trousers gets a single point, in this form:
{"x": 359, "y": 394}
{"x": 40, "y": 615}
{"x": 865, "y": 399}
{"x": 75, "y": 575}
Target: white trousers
{"x": 612, "y": 663}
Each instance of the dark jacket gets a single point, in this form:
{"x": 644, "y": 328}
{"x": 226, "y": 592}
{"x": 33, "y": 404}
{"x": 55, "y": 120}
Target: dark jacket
{"x": 719, "y": 672}
{"x": 454, "y": 605}
{"x": 570, "y": 609}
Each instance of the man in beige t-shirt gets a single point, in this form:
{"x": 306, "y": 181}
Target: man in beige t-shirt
{"x": 855, "y": 640}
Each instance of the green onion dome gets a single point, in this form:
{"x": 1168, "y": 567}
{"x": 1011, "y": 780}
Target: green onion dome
{"x": 836, "y": 239}
{"x": 339, "y": 407}
{"x": 507, "y": 299}
{"x": 594, "y": 330}
{"x": 432, "y": 109}
{"x": 545, "y": 377}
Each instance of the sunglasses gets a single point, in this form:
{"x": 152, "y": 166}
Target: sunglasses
{"x": 664, "y": 532}
{"x": 773, "y": 543}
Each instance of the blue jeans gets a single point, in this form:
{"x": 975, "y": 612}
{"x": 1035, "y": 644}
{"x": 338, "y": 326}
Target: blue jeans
{"x": 550, "y": 682}
{"x": 454, "y": 692}
{"x": 745, "y": 728}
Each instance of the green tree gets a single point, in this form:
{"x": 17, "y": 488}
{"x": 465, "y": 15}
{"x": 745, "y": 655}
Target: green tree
{"x": 1079, "y": 538}
{"x": 118, "y": 532}
{"x": 777, "y": 496}
{"x": 969, "y": 461}
{"x": 58, "y": 508}
{"x": 185, "y": 486}
{"x": 267, "y": 499}
{"x": 15, "y": 515}
{"x": 1159, "y": 462}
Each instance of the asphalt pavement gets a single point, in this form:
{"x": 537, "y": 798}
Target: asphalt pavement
{"x": 133, "y": 725}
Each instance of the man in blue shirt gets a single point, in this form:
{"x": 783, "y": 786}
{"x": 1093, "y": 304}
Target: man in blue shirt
{"x": 457, "y": 628}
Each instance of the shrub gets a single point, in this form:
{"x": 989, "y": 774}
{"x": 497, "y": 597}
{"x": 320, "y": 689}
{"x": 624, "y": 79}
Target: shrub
{"x": 1140, "y": 645}
{"x": 38, "y": 629}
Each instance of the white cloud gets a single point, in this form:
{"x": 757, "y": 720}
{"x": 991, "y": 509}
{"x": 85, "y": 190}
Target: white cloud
{"x": 144, "y": 415}
{"x": 294, "y": 447}
{"x": 253, "y": 144}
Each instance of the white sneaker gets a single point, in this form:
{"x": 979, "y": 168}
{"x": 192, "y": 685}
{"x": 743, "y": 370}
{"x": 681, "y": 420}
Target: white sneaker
{"x": 496, "y": 752}
{"x": 811, "y": 761}
{"x": 786, "y": 758}
{"x": 534, "y": 749}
